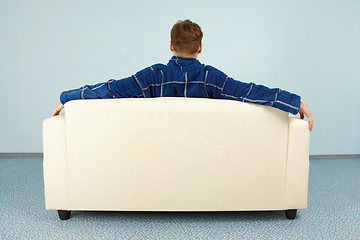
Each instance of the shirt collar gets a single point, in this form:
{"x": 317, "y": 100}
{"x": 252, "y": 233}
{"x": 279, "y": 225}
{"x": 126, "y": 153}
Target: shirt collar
{"x": 183, "y": 63}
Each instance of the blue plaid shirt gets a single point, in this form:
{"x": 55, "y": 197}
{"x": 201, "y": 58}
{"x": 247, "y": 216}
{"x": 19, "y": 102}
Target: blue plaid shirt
{"x": 186, "y": 77}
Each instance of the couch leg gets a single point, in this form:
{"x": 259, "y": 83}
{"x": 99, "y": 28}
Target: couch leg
{"x": 290, "y": 213}
{"x": 64, "y": 215}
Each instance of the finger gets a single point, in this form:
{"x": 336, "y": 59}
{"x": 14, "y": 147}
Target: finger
{"x": 56, "y": 112}
{"x": 311, "y": 124}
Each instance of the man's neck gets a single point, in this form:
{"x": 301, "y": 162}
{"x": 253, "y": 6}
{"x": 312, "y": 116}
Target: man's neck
{"x": 185, "y": 55}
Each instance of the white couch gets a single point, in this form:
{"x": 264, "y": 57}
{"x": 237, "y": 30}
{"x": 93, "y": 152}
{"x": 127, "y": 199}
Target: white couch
{"x": 174, "y": 154}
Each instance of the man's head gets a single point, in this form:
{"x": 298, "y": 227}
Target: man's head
{"x": 186, "y": 39}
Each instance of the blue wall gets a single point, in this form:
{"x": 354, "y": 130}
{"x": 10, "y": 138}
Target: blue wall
{"x": 307, "y": 47}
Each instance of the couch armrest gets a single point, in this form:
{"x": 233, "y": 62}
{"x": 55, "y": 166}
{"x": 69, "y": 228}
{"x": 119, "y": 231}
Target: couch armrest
{"x": 297, "y": 167}
{"x": 55, "y": 163}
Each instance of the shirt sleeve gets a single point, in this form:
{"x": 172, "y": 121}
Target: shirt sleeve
{"x": 228, "y": 88}
{"x": 123, "y": 88}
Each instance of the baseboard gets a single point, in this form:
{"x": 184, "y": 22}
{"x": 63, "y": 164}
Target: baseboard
{"x": 21, "y": 155}
{"x": 334, "y": 156}
{"x": 312, "y": 157}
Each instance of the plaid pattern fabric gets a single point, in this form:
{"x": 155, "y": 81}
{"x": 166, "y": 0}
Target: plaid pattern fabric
{"x": 186, "y": 77}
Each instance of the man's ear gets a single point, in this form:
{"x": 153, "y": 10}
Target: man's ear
{"x": 171, "y": 47}
{"x": 200, "y": 48}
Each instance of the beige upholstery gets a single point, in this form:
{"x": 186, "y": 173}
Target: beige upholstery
{"x": 174, "y": 154}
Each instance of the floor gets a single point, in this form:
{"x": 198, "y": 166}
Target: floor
{"x": 333, "y": 211}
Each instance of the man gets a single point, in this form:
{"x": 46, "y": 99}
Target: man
{"x": 185, "y": 76}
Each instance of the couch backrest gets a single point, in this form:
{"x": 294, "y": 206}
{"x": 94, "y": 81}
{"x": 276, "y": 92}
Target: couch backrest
{"x": 164, "y": 144}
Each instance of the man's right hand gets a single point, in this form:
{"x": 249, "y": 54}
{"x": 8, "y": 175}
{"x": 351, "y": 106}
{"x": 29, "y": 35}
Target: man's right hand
{"x": 57, "y": 110}
{"x": 305, "y": 110}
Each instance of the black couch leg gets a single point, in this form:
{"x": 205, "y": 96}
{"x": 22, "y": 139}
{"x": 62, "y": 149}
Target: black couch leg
{"x": 64, "y": 215}
{"x": 290, "y": 214}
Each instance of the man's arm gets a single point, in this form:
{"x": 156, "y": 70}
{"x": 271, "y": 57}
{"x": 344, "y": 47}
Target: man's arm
{"x": 222, "y": 86}
{"x": 123, "y": 88}
{"x": 275, "y": 97}
{"x": 259, "y": 94}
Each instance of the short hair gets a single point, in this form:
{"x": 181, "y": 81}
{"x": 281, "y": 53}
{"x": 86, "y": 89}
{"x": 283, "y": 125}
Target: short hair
{"x": 186, "y": 37}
